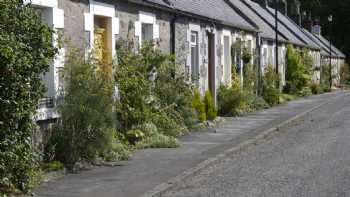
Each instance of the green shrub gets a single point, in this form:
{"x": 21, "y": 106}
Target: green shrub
{"x": 158, "y": 141}
{"x": 344, "y": 74}
{"x": 287, "y": 97}
{"x": 230, "y": 101}
{"x": 135, "y": 135}
{"x": 271, "y": 92}
{"x": 199, "y": 106}
{"x": 152, "y": 88}
{"x": 86, "y": 112}
{"x": 299, "y": 68}
{"x": 249, "y": 78}
{"x": 325, "y": 77}
{"x": 256, "y": 103}
{"x": 315, "y": 88}
{"x": 306, "y": 91}
{"x": 26, "y": 52}
{"x": 55, "y": 166}
{"x": 210, "y": 109}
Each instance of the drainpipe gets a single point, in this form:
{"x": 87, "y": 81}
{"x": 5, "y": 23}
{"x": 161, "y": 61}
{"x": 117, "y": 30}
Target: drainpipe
{"x": 172, "y": 34}
{"x": 172, "y": 40}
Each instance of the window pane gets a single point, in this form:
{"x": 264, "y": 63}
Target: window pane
{"x": 194, "y": 56}
{"x": 227, "y": 57}
{"x": 147, "y": 32}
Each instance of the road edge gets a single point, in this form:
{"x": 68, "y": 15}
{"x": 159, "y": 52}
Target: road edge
{"x": 160, "y": 189}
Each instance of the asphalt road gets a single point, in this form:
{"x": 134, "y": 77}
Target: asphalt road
{"x": 308, "y": 159}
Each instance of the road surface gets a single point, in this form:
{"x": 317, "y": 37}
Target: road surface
{"x": 310, "y": 158}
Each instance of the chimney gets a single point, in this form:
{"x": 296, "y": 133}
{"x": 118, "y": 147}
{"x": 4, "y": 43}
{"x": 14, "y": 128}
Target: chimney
{"x": 316, "y": 28}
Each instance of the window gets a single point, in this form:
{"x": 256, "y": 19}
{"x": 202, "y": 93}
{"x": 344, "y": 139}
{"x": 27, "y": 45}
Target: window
{"x": 194, "y": 55}
{"x": 249, "y": 45}
{"x": 238, "y": 55}
{"x": 265, "y": 57}
{"x": 270, "y": 61}
{"x": 147, "y": 32}
{"x": 227, "y": 57}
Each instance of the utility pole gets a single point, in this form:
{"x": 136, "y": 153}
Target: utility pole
{"x": 276, "y": 34}
{"x": 330, "y": 19}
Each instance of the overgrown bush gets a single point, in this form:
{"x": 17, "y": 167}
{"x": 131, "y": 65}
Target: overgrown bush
{"x": 152, "y": 90}
{"x": 315, "y": 88}
{"x": 158, "y": 140}
{"x": 325, "y": 78}
{"x": 306, "y": 91}
{"x": 299, "y": 67}
{"x": 249, "y": 78}
{"x": 210, "y": 109}
{"x": 271, "y": 92}
{"x": 230, "y": 101}
{"x": 199, "y": 106}
{"x": 86, "y": 112}
{"x": 344, "y": 74}
{"x": 25, "y": 52}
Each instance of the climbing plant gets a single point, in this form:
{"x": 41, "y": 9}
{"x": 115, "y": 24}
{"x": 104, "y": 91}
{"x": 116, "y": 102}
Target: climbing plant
{"x": 25, "y": 53}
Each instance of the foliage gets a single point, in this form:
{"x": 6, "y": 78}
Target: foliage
{"x": 54, "y": 166}
{"x": 158, "y": 140}
{"x": 298, "y": 74}
{"x": 152, "y": 90}
{"x": 315, "y": 88}
{"x": 306, "y": 91}
{"x": 255, "y": 102}
{"x": 270, "y": 92}
{"x": 236, "y": 81}
{"x": 210, "y": 109}
{"x": 230, "y": 101}
{"x": 116, "y": 148}
{"x": 249, "y": 78}
{"x": 325, "y": 76}
{"x": 25, "y": 53}
{"x": 287, "y": 97}
{"x": 344, "y": 74}
{"x": 199, "y": 106}
{"x": 86, "y": 112}
{"x": 246, "y": 56}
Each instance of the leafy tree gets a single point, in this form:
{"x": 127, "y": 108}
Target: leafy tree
{"x": 25, "y": 53}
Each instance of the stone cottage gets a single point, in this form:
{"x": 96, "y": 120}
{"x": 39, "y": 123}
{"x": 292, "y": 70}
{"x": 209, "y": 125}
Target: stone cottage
{"x": 200, "y": 34}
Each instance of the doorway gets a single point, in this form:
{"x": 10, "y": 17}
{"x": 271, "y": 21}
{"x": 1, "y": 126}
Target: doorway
{"x": 211, "y": 63}
{"x": 103, "y": 39}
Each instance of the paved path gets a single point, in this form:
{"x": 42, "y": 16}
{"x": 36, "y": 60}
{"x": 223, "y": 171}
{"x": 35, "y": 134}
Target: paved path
{"x": 149, "y": 168}
{"x": 308, "y": 159}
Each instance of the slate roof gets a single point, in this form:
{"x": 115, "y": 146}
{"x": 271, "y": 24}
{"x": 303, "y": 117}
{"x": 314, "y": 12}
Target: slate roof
{"x": 213, "y": 9}
{"x": 324, "y": 48}
{"x": 334, "y": 49}
{"x": 293, "y": 27}
{"x": 265, "y": 29}
{"x": 271, "y": 20}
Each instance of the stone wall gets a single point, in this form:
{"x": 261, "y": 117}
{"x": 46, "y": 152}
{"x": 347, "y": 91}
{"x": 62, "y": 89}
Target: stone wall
{"x": 128, "y": 13}
{"x": 73, "y": 31}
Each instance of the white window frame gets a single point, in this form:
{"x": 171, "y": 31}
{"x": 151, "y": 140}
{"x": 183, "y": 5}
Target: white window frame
{"x": 146, "y": 18}
{"x": 226, "y": 33}
{"x": 194, "y": 44}
{"x": 56, "y": 20}
{"x": 193, "y": 28}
